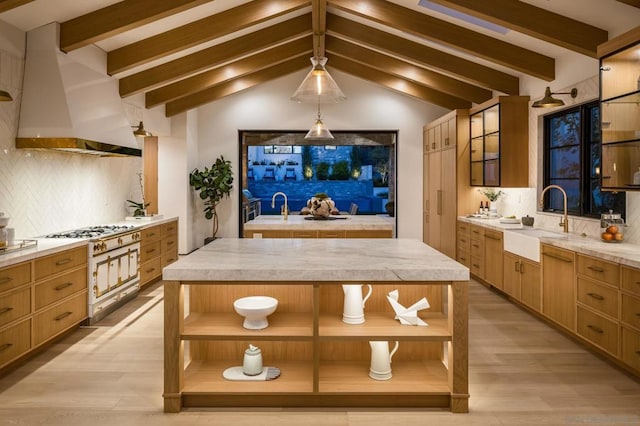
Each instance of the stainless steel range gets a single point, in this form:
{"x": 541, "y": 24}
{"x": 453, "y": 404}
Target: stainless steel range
{"x": 114, "y": 266}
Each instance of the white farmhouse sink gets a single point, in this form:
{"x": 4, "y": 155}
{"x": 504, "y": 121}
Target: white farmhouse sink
{"x": 525, "y": 242}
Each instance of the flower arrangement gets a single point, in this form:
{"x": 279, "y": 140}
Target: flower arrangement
{"x": 491, "y": 193}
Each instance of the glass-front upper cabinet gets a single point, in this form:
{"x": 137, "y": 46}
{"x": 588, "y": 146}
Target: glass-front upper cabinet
{"x": 499, "y": 142}
{"x": 620, "y": 111}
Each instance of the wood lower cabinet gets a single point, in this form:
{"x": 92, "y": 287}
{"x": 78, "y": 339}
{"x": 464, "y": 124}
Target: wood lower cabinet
{"x": 522, "y": 280}
{"x": 324, "y": 362}
{"x": 158, "y": 248}
{"x": 559, "y": 286}
{"x": 493, "y": 262}
{"x": 464, "y": 244}
{"x": 477, "y": 250}
{"x": 41, "y": 300}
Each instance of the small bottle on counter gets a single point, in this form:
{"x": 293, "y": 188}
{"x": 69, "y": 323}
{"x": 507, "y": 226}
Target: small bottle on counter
{"x": 481, "y": 211}
{"x": 3, "y": 238}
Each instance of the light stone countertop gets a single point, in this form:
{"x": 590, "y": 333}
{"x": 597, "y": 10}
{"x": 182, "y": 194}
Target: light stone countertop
{"x": 296, "y": 222}
{"x": 314, "y": 260}
{"x": 623, "y": 253}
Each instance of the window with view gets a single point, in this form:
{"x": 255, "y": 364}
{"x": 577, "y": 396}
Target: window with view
{"x": 572, "y": 154}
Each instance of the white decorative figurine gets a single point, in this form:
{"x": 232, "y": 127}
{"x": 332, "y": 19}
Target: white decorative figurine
{"x": 407, "y": 316}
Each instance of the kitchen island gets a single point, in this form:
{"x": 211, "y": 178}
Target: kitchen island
{"x": 303, "y": 226}
{"x": 324, "y": 362}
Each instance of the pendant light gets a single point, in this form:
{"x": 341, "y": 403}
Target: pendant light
{"x": 5, "y": 96}
{"x": 318, "y": 131}
{"x": 140, "y": 132}
{"x": 318, "y": 86}
{"x": 548, "y": 101}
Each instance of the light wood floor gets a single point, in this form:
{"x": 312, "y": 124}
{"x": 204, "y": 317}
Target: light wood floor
{"x": 521, "y": 373}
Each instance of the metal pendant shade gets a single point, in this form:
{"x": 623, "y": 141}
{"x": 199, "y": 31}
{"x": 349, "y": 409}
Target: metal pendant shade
{"x": 548, "y": 101}
{"x": 318, "y": 86}
{"x": 140, "y": 132}
{"x": 5, "y": 96}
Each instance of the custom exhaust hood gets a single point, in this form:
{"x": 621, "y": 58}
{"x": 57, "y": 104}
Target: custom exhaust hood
{"x": 69, "y": 103}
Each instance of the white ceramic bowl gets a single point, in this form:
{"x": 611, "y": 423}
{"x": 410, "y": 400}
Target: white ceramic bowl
{"x": 255, "y": 310}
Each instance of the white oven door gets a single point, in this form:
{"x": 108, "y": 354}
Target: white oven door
{"x": 114, "y": 269}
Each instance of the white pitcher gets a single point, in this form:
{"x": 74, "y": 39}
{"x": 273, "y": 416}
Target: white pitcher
{"x": 353, "y": 311}
{"x": 381, "y": 359}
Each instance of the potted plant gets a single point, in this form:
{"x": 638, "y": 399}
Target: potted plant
{"x": 140, "y": 209}
{"x": 493, "y": 196}
{"x": 213, "y": 183}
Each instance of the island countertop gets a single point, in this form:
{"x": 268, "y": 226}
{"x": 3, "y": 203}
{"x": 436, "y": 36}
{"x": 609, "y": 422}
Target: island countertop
{"x": 301, "y": 222}
{"x": 365, "y": 259}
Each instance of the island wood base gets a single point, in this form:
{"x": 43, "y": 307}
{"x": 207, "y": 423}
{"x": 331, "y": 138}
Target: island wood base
{"x": 324, "y": 362}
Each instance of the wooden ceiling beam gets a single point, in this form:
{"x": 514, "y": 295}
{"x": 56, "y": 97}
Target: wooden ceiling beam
{"x": 228, "y": 72}
{"x": 198, "y": 32}
{"x": 401, "y": 85}
{"x": 319, "y": 25}
{"x": 423, "y": 55}
{"x": 407, "y": 71}
{"x": 215, "y": 56}
{"x": 535, "y": 22}
{"x": 634, "y": 3}
{"x": 6, "y": 5}
{"x": 236, "y": 85}
{"x": 454, "y": 36}
{"x": 116, "y": 19}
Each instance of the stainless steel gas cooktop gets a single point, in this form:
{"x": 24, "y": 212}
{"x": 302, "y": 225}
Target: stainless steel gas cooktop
{"x": 92, "y": 231}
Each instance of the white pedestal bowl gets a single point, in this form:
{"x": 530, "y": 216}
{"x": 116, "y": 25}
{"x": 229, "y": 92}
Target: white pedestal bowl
{"x": 255, "y": 310}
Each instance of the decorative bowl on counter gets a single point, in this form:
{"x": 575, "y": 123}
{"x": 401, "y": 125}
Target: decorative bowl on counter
{"x": 255, "y": 310}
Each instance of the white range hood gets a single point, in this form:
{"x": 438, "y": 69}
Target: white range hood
{"x": 69, "y": 102}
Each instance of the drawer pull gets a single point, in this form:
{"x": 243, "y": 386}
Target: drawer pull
{"x": 63, "y": 316}
{"x": 475, "y": 245}
{"x": 462, "y": 240}
{"x": 7, "y": 279}
{"x": 63, "y": 286}
{"x": 475, "y": 265}
{"x": 150, "y": 251}
{"x": 151, "y": 234}
{"x": 517, "y": 266}
{"x": 596, "y": 329}
{"x": 596, "y": 296}
{"x": 476, "y": 232}
{"x": 555, "y": 256}
{"x": 170, "y": 243}
{"x": 63, "y": 261}
{"x": 5, "y": 346}
{"x": 5, "y": 310}
{"x": 491, "y": 237}
{"x": 150, "y": 270}
{"x": 595, "y": 268}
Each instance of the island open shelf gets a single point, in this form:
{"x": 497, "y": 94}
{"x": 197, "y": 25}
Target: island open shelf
{"x": 323, "y": 361}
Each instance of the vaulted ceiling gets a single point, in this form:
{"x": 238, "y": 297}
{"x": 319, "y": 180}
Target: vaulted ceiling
{"x": 205, "y": 57}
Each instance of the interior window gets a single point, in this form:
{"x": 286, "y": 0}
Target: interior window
{"x": 572, "y": 154}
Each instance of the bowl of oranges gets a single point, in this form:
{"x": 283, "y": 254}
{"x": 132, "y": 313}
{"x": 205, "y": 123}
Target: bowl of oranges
{"x": 612, "y": 234}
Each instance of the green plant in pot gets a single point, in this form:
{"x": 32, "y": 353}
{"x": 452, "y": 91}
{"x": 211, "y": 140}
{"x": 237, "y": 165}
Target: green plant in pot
{"x": 214, "y": 184}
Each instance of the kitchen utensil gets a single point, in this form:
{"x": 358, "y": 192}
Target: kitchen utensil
{"x": 381, "y": 359}
{"x": 353, "y": 309}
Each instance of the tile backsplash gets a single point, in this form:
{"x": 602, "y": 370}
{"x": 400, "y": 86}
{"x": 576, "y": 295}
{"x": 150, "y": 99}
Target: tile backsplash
{"x": 47, "y": 191}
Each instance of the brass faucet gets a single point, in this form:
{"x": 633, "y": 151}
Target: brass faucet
{"x": 565, "y": 220}
{"x": 285, "y": 208}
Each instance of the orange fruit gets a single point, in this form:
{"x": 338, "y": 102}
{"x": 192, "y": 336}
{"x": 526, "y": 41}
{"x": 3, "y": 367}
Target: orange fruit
{"x": 607, "y": 236}
{"x": 618, "y": 236}
{"x": 612, "y": 229}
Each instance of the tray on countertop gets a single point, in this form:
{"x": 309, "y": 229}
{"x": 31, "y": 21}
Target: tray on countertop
{"x": 18, "y": 245}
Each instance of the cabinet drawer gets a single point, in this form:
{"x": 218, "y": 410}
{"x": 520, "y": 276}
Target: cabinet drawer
{"x": 169, "y": 228}
{"x": 304, "y": 234}
{"x": 15, "y": 341}
{"x": 631, "y": 279}
{"x": 476, "y": 231}
{"x": 631, "y": 310}
{"x": 332, "y": 234}
{"x": 149, "y": 250}
{"x": 168, "y": 258}
{"x": 477, "y": 248}
{"x": 15, "y": 276}
{"x": 15, "y": 305}
{"x": 464, "y": 228}
{"x": 170, "y": 243}
{"x": 151, "y": 233}
{"x": 464, "y": 242}
{"x": 598, "y": 330}
{"x": 60, "y": 287}
{"x": 599, "y": 269}
{"x": 60, "y": 262}
{"x": 494, "y": 235}
{"x": 631, "y": 348}
{"x": 599, "y": 297}
{"x": 150, "y": 270}
{"x": 59, "y": 318}
{"x": 464, "y": 257}
{"x": 477, "y": 266}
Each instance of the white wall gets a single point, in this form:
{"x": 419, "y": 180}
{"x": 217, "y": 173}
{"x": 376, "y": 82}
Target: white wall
{"x": 368, "y": 107}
